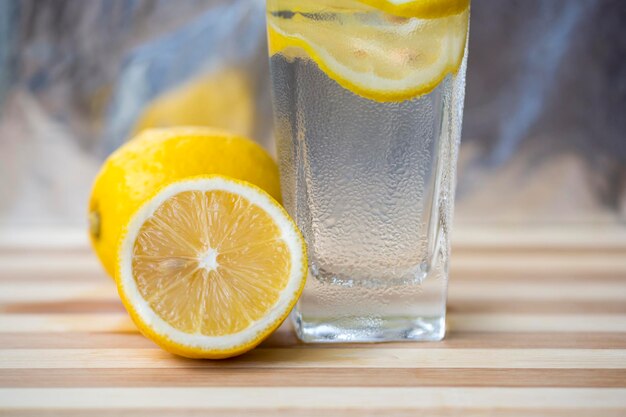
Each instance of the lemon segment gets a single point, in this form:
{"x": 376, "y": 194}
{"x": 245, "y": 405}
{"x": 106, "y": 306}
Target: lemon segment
{"x": 377, "y": 56}
{"x": 210, "y": 266}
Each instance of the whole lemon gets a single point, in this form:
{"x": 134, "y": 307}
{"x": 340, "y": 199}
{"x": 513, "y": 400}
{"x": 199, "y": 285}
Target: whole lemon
{"x": 223, "y": 99}
{"x": 139, "y": 168}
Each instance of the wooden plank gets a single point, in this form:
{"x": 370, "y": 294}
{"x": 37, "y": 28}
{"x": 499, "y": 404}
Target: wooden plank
{"x": 74, "y": 340}
{"x": 313, "y": 398}
{"x": 571, "y": 236}
{"x": 513, "y": 273}
{"x": 120, "y": 322}
{"x": 59, "y": 275}
{"x": 57, "y": 291}
{"x": 479, "y": 268}
{"x": 532, "y": 277}
{"x": 32, "y": 238}
{"x": 92, "y": 322}
{"x": 455, "y": 306}
{"x": 68, "y": 262}
{"x": 458, "y": 290}
{"x": 506, "y": 290}
{"x": 457, "y": 274}
{"x": 545, "y": 263}
{"x": 327, "y": 377}
{"x": 464, "y": 305}
{"x": 366, "y": 357}
{"x": 536, "y": 323}
{"x": 82, "y": 306}
{"x": 328, "y": 411}
{"x": 285, "y": 337}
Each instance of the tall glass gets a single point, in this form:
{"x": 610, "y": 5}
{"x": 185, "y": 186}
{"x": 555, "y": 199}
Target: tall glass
{"x": 368, "y": 101}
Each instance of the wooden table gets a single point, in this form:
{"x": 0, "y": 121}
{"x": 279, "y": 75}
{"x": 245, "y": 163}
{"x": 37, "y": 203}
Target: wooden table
{"x": 537, "y": 327}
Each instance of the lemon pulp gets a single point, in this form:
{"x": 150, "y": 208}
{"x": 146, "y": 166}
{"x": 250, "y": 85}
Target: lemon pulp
{"x": 210, "y": 262}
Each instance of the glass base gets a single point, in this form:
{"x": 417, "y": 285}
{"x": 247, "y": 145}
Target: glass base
{"x": 369, "y": 329}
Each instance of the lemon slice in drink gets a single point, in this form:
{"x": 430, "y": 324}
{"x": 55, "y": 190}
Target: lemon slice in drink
{"x": 371, "y": 47}
{"x": 210, "y": 266}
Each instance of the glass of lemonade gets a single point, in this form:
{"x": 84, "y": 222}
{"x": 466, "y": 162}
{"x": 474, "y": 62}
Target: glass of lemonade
{"x": 368, "y": 102}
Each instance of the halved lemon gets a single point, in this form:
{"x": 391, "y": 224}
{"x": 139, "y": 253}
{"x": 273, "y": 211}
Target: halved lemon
{"x": 156, "y": 157}
{"x": 210, "y": 266}
{"x": 371, "y": 47}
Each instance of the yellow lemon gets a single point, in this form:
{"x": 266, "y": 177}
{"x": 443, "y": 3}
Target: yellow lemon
{"x": 156, "y": 157}
{"x": 383, "y": 50}
{"x": 222, "y": 99}
{"x": 210, "y": 266}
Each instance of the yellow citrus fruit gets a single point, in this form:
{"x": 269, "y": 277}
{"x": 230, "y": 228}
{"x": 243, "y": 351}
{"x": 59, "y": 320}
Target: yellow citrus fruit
{"x": 210, "y": 266}
{"x": 383, "y": 50}
{"x": 156, "y": 157}
{"x": 222, "y": 99}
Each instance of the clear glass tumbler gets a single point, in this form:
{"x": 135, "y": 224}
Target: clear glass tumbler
{"x": 368, "y": 102}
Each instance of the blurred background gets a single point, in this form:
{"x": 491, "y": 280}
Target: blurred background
{"x": 544, "y": 136}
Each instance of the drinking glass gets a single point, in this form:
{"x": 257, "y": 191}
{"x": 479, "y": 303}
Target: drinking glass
{"x": 368, "y": 102}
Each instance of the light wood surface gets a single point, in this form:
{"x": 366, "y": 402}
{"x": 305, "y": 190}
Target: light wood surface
{"x": 537, "y": 326}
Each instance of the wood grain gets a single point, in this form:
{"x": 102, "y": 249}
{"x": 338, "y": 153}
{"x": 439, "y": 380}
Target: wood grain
{"x": 319, "y": 398}
{"x": 475, "y": 290}
{"x": 120, "y": 322}
{"x": 330, "y": 377}
{"x": 366, "y": 357}
{"x": 537, "y": 327}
